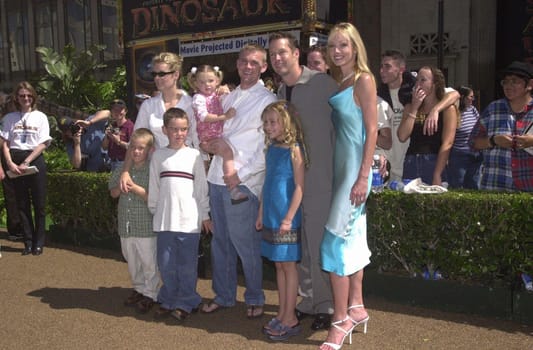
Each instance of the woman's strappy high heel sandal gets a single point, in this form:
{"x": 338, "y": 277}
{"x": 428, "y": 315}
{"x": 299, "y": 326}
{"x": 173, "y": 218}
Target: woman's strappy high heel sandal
{"x": 346, "y": 333}
{"x": 364, "y": 321}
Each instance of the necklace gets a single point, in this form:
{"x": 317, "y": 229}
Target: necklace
{"x": 347, "y": 77}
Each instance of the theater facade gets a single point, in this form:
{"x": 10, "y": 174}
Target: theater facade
{"x": 213, "y": 32}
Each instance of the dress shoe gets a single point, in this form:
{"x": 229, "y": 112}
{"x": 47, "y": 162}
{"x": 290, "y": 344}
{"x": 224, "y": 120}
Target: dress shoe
{"x": 37, "y": 251}
{"x": 133, "y": 299}
{"x": 321, "y": 321}
{"x": 27, "y": 251}
{"x": 301, "y": 315}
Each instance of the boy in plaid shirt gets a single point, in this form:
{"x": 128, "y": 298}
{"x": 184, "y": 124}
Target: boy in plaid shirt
{"x": 135, "y": 227}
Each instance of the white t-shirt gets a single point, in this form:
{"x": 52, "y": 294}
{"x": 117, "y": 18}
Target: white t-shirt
{"x": 396, "y": 154}
{"x": 385, "y": 115}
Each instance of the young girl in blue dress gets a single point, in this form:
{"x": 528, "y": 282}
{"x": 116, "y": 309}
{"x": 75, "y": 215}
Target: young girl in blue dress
{"x": 280, "y": 216}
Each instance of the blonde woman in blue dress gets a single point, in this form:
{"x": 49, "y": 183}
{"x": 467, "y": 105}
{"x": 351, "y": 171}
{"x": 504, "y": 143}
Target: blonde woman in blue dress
{"x": 344, "y": 250}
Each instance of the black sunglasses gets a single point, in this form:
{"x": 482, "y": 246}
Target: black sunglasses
{"x": 161, "y": 74}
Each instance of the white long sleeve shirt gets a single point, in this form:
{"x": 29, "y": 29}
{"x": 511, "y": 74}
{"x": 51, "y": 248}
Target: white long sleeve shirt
{"x": 244, "y": 133}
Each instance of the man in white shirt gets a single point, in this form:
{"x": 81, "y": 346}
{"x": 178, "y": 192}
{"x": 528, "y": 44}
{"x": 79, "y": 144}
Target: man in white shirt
{"x": 234, "y": 224}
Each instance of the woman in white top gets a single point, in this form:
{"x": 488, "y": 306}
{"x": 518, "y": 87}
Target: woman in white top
{"x": 166, "y": 70}
{"x": 26, "y": 134}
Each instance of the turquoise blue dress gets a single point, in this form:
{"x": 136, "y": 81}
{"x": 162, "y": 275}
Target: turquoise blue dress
{"x": 344, "y": 249}
{"x": 277, "y": 195}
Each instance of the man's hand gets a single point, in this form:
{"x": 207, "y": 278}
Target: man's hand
{"x": 431, "y": 124}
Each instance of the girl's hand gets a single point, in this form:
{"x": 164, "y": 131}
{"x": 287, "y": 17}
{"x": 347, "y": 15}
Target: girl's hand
{"x": 418, "y": 97}
{"x": 285, "y": 227}
{"x": 258, "y": 224}
{"x": 358, "y": 192}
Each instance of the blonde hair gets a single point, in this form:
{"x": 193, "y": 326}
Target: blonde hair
{"x": 173, "y": 61}
{"x": 349, "y": 31}
{"x": 26, "y": 86}
{"x": 143, "y": 133}
{"x": 291, "y": 124}
{"x": 204, "y": 68}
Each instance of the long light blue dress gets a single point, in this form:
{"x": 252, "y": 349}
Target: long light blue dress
{"x": 344, "y": 249}
{"x": 278, "y": 189}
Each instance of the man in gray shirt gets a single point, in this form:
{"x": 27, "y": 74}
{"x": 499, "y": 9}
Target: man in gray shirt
{"x": 309, "y": 92}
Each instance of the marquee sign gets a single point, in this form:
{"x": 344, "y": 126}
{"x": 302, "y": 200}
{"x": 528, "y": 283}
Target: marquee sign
{"x": 222, "y": 46}
{"x": 154, "y": 18}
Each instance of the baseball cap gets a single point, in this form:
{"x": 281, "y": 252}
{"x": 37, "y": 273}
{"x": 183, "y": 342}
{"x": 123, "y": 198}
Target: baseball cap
{"x": 118, "y": 102}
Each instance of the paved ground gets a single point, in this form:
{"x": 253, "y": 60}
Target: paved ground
{"x": 71, "y": 298}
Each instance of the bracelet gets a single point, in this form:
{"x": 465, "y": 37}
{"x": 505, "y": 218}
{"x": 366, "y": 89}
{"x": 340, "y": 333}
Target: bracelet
{"x": 25, "y": 163}
{"x": 411, "y": 115}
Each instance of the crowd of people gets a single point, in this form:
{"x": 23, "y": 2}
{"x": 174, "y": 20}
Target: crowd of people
{"x": 283, "y": 176}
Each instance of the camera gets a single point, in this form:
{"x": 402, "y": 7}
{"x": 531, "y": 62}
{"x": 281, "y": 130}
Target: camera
{"x": 74, "y": 128}
{"x": 67, "y": 123}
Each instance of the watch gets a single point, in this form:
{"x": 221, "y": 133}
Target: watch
{"x": 492, "y": 142}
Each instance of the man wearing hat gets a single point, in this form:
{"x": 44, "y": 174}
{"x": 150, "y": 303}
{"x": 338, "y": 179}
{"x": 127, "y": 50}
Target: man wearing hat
{"x": 504, "y": 133}
{"x": 118, "y": 134}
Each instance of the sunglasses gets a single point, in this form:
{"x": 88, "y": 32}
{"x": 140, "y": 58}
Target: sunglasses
{"x": 25, "y": 96}
{"x": 161, "y": 74}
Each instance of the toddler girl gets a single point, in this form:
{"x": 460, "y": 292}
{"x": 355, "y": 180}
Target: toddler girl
{"x": 210, "y": 117}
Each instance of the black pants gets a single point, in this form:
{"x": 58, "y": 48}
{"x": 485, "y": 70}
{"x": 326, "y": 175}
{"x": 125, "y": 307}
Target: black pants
{"x": 31, "y": 190}
{"x": 14, "y": 226}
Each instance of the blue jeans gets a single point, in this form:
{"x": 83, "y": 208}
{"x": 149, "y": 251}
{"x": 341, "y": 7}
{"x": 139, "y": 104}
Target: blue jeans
{"x": 177, "y": 257}
{"x": 235, "y": 236}
{"x": 464, "y": 170}
{"x": 421, "y": 165}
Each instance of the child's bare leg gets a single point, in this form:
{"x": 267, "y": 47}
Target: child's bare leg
{"x": 228, "y": 166}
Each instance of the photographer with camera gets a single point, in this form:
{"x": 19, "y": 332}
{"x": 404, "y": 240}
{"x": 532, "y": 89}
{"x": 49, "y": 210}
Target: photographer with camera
{"x": 83, "y": 140}
{"x": 118, "y": 133}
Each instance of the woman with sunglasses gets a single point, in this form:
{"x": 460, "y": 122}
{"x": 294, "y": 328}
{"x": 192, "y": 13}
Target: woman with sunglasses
{"x": 166, "y": 71}
{"x": 26, "y": 134}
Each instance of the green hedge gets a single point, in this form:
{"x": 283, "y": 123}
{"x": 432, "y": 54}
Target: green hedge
{"x": 478, "y": 236}
{"x": 81, "y": 209}
{"x": 481, "y": 237}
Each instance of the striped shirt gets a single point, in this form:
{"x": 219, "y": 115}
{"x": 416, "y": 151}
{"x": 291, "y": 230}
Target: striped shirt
{"x": 469, "y": 118}
{"x": 504, "y": 169}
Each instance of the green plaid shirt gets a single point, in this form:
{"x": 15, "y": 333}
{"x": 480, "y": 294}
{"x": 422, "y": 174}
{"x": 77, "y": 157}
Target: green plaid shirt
{"x": 134, "y": 218}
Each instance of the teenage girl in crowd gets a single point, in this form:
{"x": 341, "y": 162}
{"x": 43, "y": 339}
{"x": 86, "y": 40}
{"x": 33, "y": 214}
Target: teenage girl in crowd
{"x": 210, "y": 117}
{"x": 427, "y": 155}
{"x": 464, "y": 165}
{"x": 26, "y": 134}
{"x": 280, "y": 216}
